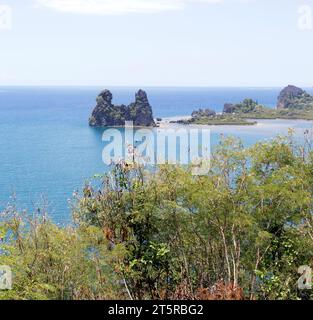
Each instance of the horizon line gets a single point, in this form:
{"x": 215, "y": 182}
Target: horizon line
{"x": 146, "y": 86}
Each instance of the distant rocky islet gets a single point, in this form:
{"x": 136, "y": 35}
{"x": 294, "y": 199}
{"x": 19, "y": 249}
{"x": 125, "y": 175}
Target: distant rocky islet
{"x": 292, "y": 103}
{"x": 106, "y": 114}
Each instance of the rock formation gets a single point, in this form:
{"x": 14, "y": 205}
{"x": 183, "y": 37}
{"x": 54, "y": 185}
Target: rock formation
{"x": 141, "y": 111}
{"x": 203, "y": 113}
{"x": 105, "y": 114}
{"x": 294, "y": 97}
{"x": 229, "y": 108}
{"x": 246, "y": 106}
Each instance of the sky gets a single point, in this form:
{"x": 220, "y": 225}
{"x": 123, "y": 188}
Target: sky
{"x": 156, "y": 42}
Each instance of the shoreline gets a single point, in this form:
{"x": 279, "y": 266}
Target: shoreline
{"x": 172, "y": 121}
{"x": 272, "y": 125}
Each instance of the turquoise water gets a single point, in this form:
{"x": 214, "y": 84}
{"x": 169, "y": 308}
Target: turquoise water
{"x": 47, "y": 149}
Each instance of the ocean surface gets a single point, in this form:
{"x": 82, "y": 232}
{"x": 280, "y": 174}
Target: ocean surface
{"x": 48, "y": 151}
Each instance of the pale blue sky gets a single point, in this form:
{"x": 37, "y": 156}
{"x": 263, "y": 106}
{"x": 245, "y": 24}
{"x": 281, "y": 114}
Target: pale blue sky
{"x": 156, "y": 43}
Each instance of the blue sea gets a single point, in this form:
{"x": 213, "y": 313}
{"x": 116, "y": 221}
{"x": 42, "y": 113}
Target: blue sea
{"x": 48, "y": 151}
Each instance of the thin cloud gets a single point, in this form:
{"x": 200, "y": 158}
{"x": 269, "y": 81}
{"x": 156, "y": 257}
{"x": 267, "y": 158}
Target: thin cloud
{"x": 117, "y": 7}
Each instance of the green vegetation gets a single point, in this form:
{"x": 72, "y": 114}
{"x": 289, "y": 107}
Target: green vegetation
{"x": 241, "y": 231}
{"x": 267, "y": 113}
{"x": 248, "y": 110}
{"x": 246, "y": 106}
{"x": 301, "y": 100}
{"x": 219, "y": 119}
{"x": 252, "y": 110}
